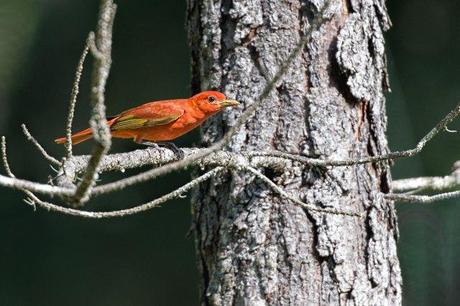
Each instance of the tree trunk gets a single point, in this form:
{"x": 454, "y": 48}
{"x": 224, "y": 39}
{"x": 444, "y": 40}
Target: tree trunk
{"x": 254, "y": 247}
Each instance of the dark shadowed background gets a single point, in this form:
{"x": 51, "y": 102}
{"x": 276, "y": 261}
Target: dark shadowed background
{"x": 51, "y": 259}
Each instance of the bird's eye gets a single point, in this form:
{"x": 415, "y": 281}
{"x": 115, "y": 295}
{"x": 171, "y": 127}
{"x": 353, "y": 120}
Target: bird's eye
{"x": 212, "y": 99}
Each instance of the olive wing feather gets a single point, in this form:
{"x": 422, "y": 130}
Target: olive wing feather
{"x": 146, "y": 117}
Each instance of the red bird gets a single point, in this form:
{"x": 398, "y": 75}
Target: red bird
{"x": 161, "y": 121}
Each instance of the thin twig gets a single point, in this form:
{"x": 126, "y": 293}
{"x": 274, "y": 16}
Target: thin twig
{"x": 30, "y": 138}
{"x": 437, "y": 183}
{"x": 449, "y": 130}
{"x": 73, "y": 99}
{"x": 453, "y": 114}
{"x": 177, "y": 193}
{"x": 101, "y": 69}
{"x": 283, "y": 193}
{"x": 424, "y": 199}
{"x": 6, "y": 165}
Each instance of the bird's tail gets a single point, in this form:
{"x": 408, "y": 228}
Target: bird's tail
{"x": 83, "y": 135}
{"x": 77, "y": 137}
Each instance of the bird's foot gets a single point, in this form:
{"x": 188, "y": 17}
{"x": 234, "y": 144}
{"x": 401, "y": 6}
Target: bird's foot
{"x": 177, "y": 151}
{"x": 149, "y": 144}
{"x": 169, "y": 145}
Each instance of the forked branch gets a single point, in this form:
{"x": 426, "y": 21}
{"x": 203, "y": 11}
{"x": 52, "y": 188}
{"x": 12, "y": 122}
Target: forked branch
{"x": 101, "y": 69}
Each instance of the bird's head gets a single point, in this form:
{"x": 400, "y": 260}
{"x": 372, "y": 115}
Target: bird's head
{"x": 212, "y": 101}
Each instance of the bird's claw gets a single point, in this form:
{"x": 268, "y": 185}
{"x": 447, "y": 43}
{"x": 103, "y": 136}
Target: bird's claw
{"x": 178, "y": 152}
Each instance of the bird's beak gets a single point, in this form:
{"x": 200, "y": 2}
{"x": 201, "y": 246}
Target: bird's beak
{"x": 228, "y": 102}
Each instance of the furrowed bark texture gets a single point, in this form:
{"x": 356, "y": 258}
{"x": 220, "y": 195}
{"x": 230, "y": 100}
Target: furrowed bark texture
{"x": 253, "y": 247}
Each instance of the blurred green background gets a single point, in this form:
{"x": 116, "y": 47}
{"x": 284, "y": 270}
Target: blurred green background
{"x": 50, "y": 259}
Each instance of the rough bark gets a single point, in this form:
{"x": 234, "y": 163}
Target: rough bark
{"x": 253, "y": 247}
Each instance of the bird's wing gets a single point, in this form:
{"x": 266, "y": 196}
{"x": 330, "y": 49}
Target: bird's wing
{"x": 147, "y": 115}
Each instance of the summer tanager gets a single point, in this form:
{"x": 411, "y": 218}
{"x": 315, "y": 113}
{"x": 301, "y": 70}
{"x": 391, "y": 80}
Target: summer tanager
{"x": 161, "y": 121}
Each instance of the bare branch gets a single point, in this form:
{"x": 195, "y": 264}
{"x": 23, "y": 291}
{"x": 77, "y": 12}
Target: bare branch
{"x": 283, "y": 193}
{"x": 150, "y": 174}
{"x": 371, "y": 159}
{"x": 178, "y": 193}
{"x": 30, "y": 138}
{"x": 158, "y": 156}
{"x": 20, "y": 184}
{"x": 6, "y": 165}
{"x": 426, "y": 183}
{"x": 129, "y": 160}
{"x": 449, "y": 130}
{"x": 436, "y": 183}
{"x": 423, "y": 199}
{"x": 220, "y": 158}
{"x": 101, "y": 69}
{"x": 73, "y": 99}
